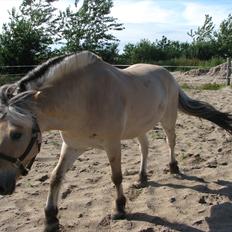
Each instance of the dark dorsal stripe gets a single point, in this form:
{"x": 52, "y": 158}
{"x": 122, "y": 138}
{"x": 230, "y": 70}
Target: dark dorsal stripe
{"x": 39, "y": 72}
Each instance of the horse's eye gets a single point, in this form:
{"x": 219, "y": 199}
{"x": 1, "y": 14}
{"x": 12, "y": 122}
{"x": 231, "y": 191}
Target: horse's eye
{"x": 15, "y": 135}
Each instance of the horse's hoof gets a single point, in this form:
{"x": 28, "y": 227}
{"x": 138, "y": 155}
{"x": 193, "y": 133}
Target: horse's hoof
{"x": 173, "y": 167}
{"x": 119, "y": 216}
{"x": 142, "y": 181}
{"x": 52, "y": 228}
{"x": 139, "y": 184}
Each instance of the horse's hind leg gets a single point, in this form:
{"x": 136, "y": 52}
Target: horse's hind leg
{"x": 67, "y": 158}
{"x": 113, "y": 150}
{"x": 168, "y": 123}
{"x": 143, "y": 142}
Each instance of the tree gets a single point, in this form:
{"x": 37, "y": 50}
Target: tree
{"x": 169, "y": 49}
{"x": 224, "y": 37}
{"x": 144, "y": 51}
{"x": 76, "y": 1}
{"x": 127, "y": 56}
{"x": 28, "y": 37}
{"x": 204, "y": 33}
{"x": 90, "y": 28}
{"x": 43, "y": 16}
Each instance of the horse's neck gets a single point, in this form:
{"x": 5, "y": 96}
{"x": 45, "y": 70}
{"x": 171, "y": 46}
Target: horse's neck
{"x": 53, "y": 106}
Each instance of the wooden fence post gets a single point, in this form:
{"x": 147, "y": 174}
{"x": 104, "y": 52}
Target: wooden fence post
{"x": 228, "y": 71}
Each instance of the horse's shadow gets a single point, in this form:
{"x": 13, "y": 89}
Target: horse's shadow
{"x": 160, "y": 221}
{"x": 226, "y": 189}
{"x": 220, "y": 218}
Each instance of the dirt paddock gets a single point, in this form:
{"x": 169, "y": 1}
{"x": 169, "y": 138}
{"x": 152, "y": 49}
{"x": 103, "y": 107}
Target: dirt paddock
{"x": 198, "y": 200}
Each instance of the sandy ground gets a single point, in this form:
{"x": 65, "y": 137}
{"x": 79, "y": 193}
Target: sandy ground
{"x": 198, "y": 200}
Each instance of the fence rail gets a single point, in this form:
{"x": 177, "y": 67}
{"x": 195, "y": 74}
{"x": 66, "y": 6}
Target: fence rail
{"x": 17, "y": 75}
{"x": 13, "y": 70}
{"x": 116, "y": 65}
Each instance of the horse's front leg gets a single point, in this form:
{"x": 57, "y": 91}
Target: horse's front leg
{"x": 67, "y": 158}
{"x": 113, "y": 150}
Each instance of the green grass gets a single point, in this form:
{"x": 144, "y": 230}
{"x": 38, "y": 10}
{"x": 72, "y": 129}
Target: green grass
{"x": 186, "y": 86}
{"x": 212, "y": 86}
{"x": 207, "y": 86}
{"x": 190, "y": 62}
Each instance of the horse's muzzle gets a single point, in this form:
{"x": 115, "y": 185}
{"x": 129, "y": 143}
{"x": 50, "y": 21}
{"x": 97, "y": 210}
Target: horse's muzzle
{"x": 7, "y": 182}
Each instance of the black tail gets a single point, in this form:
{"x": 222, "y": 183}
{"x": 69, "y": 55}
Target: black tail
{"x": 204, "y": 110}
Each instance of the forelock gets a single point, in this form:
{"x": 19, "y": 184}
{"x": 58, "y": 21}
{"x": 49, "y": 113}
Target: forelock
{"x": 16, "y": 108}
{"x": 6, "y": 93}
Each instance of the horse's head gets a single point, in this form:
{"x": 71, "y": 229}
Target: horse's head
{"x": 20, "y": 137}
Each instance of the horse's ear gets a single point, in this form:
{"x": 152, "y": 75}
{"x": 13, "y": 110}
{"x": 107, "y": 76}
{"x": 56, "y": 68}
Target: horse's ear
{"x": 10, "y": 91}
{"x": 7, "y": 92}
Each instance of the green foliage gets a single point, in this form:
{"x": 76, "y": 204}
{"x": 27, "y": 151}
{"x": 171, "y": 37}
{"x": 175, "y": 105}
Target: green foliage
{"x": 207, "y": 86}
{"x": 20, "y": 43}
{"x": 28, "y": 37}
{"x": 152, "y": 52}
{"x": 204, "y": 33}
{"x": 6, "y": 79}
{"x": 36, "y": 27}
{"x": 186, "y": 86}
{"x": 224, "y": 37}
{"x": 207, "y": 49}
{"x": 90, "y": 27}
{"x": 212, "y": 86}
{"x": 183, "y": 61}
{"x": 171, "y": 53}
{"x": 42, "y": 15}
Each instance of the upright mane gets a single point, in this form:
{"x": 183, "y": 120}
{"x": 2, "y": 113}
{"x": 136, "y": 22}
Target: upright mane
{"x": 15, "y": 98}
{"x": 55, "y": 68}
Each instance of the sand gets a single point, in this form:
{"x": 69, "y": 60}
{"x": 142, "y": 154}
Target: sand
{"x": 198, "y": 200}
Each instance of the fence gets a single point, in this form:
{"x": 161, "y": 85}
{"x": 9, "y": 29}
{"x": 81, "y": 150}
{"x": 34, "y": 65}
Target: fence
{"x": 13, "y": 75}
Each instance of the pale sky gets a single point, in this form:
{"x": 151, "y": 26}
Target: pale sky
{"x": 151, "y": 19}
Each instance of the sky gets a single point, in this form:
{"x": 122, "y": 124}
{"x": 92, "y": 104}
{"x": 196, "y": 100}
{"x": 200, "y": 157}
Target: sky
{"x": 151, "y": 19}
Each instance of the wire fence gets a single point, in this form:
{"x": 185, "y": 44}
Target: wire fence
{"x": 12, "y": 73}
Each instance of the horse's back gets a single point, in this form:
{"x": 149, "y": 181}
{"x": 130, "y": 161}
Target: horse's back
{"x": 150, "y": 93}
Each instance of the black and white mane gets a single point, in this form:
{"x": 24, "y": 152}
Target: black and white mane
{"x": 14, "y": 97}
{"x": 54, "y": 69}
{"x": 35, "y": 75}
{"x": 46, "y": 72}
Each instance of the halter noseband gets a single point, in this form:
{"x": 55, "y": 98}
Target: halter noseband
{"x": 17, "y": 162}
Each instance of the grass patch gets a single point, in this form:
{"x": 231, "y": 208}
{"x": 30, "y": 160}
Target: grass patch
{"x": 186, "y": 86}
{"x": 212, "y": 86}
{"x": 207, "y": 86}
{"x": 205, "y": 64}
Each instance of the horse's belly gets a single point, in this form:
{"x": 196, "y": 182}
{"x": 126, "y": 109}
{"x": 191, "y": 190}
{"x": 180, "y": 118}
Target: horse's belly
{"x": 138, "y": 125}
{"x": 84, "y": 142}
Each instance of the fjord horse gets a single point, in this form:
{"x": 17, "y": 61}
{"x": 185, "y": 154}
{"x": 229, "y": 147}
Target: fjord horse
{"x": 93, "y": 105}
